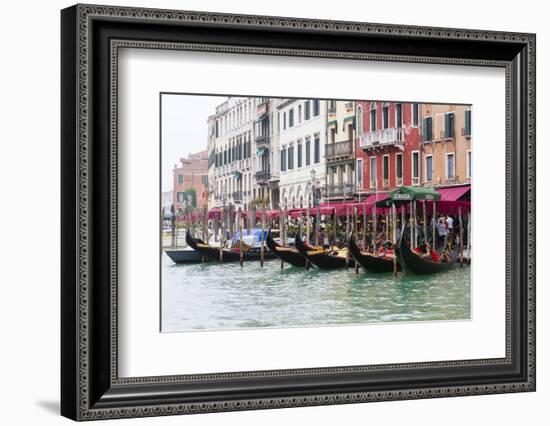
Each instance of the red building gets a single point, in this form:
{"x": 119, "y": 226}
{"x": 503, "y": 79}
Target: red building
{"x": 192, "y": 173}
{"x": 387, "y": 145}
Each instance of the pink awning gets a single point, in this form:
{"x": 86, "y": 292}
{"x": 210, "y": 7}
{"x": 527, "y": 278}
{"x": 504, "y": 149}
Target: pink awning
{"x": 272, "y": 213}
{"x": 374, "y": 198}
{"x": 453, "y": 193}
{"x": 215, "y": 213}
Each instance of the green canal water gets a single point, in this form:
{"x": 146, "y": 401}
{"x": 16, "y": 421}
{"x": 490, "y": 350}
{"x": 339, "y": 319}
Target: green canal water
{"x": 215, "y": 296}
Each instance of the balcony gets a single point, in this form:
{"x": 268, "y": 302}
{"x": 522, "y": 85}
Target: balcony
{"x": 337, "y": 150}
{"x": 262, "y": 176}
{"x": 261, "y": 111}
{"x": 345, "y": 191}
{"x": 262, "y": 140}
{"x": 383, "y": 137}
{"x": 237, "y": 196}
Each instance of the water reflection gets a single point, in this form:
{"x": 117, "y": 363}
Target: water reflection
{"x": 226, "y": 296}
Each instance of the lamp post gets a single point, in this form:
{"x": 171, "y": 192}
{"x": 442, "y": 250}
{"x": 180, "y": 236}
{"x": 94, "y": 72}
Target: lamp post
{"x": 312, "y": 188}
{"x": 222, "y": 240}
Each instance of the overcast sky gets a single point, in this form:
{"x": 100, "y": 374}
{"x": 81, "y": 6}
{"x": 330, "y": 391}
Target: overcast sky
{"x": 184, "y": 129}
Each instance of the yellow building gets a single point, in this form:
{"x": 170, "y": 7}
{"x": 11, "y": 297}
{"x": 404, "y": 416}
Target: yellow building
{"x": 446, "y": 144}
{"x": 340, "y": 150}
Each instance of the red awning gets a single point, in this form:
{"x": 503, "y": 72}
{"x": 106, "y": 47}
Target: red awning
{"x": 215, "y": 212}
{"x": 374, "y": 198}
{"x": 453, "y": 193}
{"x": 272, "y": 213}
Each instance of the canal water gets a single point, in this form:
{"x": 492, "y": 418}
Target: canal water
{"x": 215, "y": 296}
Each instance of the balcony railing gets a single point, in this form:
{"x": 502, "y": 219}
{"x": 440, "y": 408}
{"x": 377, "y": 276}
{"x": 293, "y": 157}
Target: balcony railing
{"x": 338, "y": 150}
{"x": 466, "y": 132}
{"x": 262, "y": 176}
{"x": 382, "y": 137}
{"x": 262, "y": 140}
{"x": 261, "y": 111}
{"x": 344, "y": 190}
{"x": 237, "y": 165}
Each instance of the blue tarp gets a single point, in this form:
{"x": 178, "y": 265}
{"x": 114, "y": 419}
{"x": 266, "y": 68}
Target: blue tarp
{"x": 257, "y": 232}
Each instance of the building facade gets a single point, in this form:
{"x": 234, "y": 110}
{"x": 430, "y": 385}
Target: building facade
{"x": 191, "y": 174}
{"x": 230, "y": 151}
{"x": 446, "y": 144}
{"x": 388, "y": 147}
{"x": 266, "y": 191}
{"x": 301, "y": 125}
{"x": 340, "y": 150}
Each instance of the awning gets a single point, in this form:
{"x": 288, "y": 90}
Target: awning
{"x": 215, "y": 212}
{"x": 409, "y": 193}
{"x": 350, "y": 118}
{"x": 454, "y": 193}
{"x": 373, "y": 198}
{"x": 272, "y": 213}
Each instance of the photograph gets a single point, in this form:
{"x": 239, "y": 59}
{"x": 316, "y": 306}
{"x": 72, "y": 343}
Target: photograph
{"x": 273, "y": 208}
{"x": 293, "y": 212}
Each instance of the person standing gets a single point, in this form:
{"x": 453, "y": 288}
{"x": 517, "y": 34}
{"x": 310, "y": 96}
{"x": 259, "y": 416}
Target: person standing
{"x": 450, "y": 230}
{"x": 441, "y": 231}
{"x": 450, "y": 223}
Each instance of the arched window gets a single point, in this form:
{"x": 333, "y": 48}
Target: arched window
{"x": 299, "y": 195}
{"x": 373, "y": 116}
{"x": 359, "y": 121}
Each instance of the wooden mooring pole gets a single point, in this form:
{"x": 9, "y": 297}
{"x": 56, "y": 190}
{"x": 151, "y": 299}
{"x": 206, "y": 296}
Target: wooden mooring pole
{"x": 262, "y": 239}
{"x": 240, "y": 222}
{"x": 394, "y": 221}
{"x": 460, "y": 235}
{"x": 356, "y": 228}
{"x": 222, "y": 229}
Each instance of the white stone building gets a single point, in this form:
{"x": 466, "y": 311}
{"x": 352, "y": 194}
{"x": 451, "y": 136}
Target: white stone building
{"x": 301, "y": 138}
{"x": 266, "y": 153}
{"x": 230, "y": 152}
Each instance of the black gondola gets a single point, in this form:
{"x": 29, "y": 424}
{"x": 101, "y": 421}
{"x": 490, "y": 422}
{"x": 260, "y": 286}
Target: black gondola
{"x": 417, "y": 264}
{"x": 185, "y": 255}
{"x": 286, "y": 254}
{"x": 212, "y": 253}
{"x": 322, "y": 258}
{"x": 229, "y": 255}
{"x": 370, "y": 261}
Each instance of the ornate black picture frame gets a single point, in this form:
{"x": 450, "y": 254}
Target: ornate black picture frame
{"x": 91, "y": 387}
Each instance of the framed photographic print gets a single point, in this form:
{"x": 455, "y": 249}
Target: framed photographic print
{"x": 263, "y": 212}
